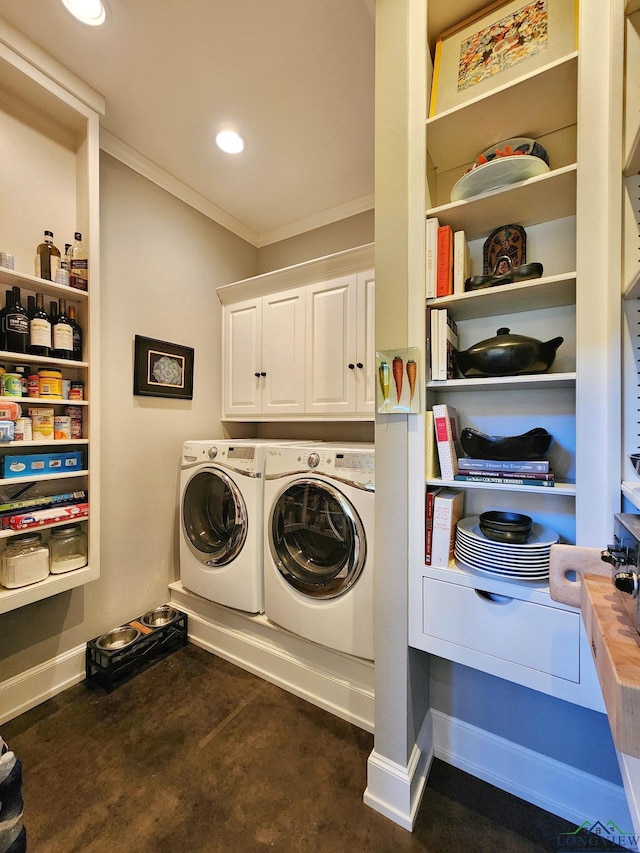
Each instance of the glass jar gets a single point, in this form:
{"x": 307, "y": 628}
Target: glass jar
{"x": 68, "y": 549}
{"x": 25, "y": 560}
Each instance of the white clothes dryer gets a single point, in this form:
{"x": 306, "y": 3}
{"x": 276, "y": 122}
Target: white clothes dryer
{"x": 318, "y": 563}
{"x": 221, "y": 521}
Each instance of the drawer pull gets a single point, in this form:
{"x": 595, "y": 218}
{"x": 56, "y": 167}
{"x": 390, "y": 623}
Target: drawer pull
{"x": 493, "y": 597}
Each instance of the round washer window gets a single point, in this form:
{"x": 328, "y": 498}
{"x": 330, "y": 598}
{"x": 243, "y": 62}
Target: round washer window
{"x": 317, "y": 539}
{"x": 214, "y": 517}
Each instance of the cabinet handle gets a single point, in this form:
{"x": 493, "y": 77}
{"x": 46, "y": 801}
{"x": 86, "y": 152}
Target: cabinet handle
{"x": 360, "y": 365}
{"x": 493, "y": 597}
{"x": 263, "y": 373}
{"x": 351, "y": 366}
{"x": 257, "y": 375}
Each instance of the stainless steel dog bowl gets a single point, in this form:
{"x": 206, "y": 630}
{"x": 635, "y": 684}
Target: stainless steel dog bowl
{"x": 160, "y": 616}
{"x": 119, "y": 638}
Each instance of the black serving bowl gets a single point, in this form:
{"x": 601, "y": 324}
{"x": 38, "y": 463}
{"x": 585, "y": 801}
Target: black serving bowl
{"x": 530, "y": 445}
{"x": 504, "y": 526}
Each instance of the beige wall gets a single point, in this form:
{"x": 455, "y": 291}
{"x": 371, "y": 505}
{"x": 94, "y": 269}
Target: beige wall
{"x": 161, "y": 263}
{"x": 345, "y": 234}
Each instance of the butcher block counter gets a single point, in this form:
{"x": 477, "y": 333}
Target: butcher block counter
{"x": 579, "y": 577}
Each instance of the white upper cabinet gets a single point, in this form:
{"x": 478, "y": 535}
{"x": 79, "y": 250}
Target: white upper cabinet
{"x": 263, "y": 355}
{"x": 301, "y": 345}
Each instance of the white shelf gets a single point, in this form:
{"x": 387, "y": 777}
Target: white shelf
{"x": 43, "y": 401}
{"x": 457, "y": 136}
{"x": 9, "y": 445}
{"x": 547, "y": 292}
{"x": 10, "y": 599}
{"x": 66, "y": 475}
{"x": 540, "y": 199}
{"x": 26, "y": 358}
{"x": 509, "y": 383}
{"x": 562, "y": 489}
{"x": 12, "y": 278}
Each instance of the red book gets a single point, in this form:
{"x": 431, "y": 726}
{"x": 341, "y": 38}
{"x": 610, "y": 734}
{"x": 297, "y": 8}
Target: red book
{"x": 444, "y": 280}
{"x": 428, "y": 522}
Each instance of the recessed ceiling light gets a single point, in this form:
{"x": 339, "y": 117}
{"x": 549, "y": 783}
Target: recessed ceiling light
{"x": 92, "y": 12}
{"x": 230, "y": 142}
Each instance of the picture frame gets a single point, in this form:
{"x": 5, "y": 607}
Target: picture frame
{"x": 162, "y": 369}
{"x": 506, "y": 40}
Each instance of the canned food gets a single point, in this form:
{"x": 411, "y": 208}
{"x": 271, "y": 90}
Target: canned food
{"x": 66, "y": 386}
{"x": 33, "y": 385}
{"x": 12, "y": 385}
{"x": 23, "y": 430}
{"x": 76, "y": 391}
{"x": 50, "y": 383}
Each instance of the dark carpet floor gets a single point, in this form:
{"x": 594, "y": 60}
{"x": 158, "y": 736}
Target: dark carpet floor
{"x": 195, "y": 755}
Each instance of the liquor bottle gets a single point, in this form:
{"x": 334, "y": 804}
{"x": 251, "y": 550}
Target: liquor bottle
{"x": 77, "y": 333}
{"x": 39, "y": 329}
{"x": 62, "y": 332}
{"x": 47, "y": 258}
{"x": 17, "y": 324}
{"x": 79, "y": 269}
{"x": 3, "y": 319}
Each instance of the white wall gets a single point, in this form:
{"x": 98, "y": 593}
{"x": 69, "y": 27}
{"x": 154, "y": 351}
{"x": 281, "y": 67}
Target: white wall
{"x": 161, "y": 263}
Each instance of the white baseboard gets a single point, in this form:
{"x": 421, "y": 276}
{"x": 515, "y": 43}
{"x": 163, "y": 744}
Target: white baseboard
{"x": 36, "y": 685}
{"x": 551, "y": 785}
{"x": 338, "y": 683}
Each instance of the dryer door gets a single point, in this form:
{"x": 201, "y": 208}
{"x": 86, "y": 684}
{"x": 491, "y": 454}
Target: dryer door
{"x": 317, "y": 539}
{"x": 214, "y": 517}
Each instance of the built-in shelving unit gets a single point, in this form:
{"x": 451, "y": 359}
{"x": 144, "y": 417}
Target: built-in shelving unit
{"x": 572, "y": 299}
{"x": 49, "y": 179}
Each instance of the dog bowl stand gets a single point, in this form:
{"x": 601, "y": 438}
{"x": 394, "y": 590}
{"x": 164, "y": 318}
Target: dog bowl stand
{"x": 110, "y": 667}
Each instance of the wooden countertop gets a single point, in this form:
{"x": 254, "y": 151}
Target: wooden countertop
{"x": 615, "y": 644}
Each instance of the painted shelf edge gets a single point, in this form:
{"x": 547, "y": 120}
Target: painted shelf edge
{"x": 63, "y": 475}
{"x": 512, "y": 383}
{"x": 11, "y": 278}
{"x": 12, "y": 599}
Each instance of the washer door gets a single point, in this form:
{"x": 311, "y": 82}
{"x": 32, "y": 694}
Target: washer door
{"x": 316, "y": 539}
{"x": 214, "y": 517}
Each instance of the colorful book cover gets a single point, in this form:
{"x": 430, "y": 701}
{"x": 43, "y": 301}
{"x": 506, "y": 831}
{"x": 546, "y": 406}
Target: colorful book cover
{"x": 445, "y": 420}
{"x": 444, "y": 284}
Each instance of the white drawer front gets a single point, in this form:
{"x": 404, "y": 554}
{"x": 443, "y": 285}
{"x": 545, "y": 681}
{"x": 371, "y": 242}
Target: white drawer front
{"x": 521, "y": 632}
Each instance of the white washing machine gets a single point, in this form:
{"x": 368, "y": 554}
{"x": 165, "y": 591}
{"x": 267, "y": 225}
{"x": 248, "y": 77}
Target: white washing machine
{"x": 221, "y": 521}
{"x": 318, "y": 563}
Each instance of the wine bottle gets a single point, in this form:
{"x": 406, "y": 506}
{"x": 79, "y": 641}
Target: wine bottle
{"x": 79, "y": 269}
{"x": 3, "y": 319}
{"x": 77, "y": 333}
{"x": 39, "y": 329}
{"x": 62, "y": 332}
{"x": 47, "y": 258}
{"x": 17, "y": 324}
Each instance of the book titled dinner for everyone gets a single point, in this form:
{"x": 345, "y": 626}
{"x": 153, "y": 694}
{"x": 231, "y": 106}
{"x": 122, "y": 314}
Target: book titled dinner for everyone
{"x": 535, "y": 465}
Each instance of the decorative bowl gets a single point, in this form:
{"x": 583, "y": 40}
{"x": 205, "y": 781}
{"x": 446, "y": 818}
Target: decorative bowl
{"x": 119, "y": 638}
{"x": 504, "y": 526}
{"x": 530, "y": 445}
{"x": 507, "y": 355}
{"x": 160, "y": 616}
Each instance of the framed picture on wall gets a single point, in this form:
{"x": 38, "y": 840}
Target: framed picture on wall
{"x": 162, "y": 369}
{"x": 498, "y": 45}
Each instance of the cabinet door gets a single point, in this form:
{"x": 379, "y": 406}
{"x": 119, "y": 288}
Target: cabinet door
{"x": 241, "y": 358}
{"x": 283, "y": 352}
{"x": 365, "y": 343}
{"x": 331, "y": 346}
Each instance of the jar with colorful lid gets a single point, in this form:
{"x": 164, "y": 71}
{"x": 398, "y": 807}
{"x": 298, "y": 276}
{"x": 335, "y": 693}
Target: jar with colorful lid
{"x": 25, "y": 560}
{"x": 68, "y": 549}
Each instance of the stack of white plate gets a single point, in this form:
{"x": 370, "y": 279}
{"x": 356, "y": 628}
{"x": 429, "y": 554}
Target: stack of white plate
{"x": 529, "y": 561}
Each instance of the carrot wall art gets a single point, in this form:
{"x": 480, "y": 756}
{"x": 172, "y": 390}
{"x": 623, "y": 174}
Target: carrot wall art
{"x": 398, "y": 386}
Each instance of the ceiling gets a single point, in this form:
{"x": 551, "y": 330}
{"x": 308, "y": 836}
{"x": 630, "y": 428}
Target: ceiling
{"x": 295, "y": 77}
